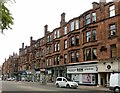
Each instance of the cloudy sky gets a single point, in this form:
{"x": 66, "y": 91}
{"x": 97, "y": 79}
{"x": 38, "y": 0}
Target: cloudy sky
{"x": 30, "y": 16}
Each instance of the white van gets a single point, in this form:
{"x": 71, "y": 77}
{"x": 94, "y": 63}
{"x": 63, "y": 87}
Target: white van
{"x": 115, "y": 82}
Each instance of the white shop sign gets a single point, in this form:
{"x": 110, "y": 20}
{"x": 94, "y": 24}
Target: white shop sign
{"x": 82, "y": 69}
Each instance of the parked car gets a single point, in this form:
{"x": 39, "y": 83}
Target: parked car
{"x": 63, "y": 82}
{"x": 115, "y": 82}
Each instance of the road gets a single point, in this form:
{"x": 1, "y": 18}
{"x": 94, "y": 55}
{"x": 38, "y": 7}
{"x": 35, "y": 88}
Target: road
{"x": 31, "y": 87}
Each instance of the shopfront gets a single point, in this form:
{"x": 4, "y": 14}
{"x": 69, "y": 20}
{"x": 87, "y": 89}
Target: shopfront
{"x": 83, "y": 74}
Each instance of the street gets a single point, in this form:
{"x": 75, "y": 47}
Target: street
{"x": 32, "y": 87}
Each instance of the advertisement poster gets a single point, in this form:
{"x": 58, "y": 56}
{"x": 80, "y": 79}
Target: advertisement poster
{"x": 86, "y": 78}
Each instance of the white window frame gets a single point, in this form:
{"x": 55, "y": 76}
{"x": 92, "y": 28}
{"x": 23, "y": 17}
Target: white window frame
{"x": 88, "y": 36}
{"x": 65, "y": 44}
{"x": 112, "y": 10}
{"x": 77, "y": 24}
{"x": 65, "y": 30}
{"x": 94, "y": 17}
{"x": 72, "y": 26}
{"x": 87, "y": 19}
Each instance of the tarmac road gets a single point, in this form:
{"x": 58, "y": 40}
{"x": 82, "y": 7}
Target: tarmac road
{"x": 31, "y": 87}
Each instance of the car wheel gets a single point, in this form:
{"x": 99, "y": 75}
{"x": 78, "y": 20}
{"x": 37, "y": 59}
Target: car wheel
{"x": 57, "y": 85}
{"x": 117, "y": 90}
{"x": 67, "y": 86}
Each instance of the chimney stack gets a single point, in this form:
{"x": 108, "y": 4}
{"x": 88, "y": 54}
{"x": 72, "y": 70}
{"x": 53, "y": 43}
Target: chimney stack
{"x": 31, "y": 39}
{"x": 22, "y": 45}
{"x": 62, "y": 19}
{"x": 45, "y": 29}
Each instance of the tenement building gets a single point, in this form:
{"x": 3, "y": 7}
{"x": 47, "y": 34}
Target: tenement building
{"x": 85, "y": 49}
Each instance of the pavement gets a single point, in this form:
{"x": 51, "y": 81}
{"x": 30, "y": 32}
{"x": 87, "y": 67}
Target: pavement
{"x": 81, "y": 87}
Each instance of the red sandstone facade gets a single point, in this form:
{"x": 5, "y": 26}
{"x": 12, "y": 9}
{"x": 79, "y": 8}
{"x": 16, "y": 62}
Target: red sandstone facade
{"x": 89, "y": 45}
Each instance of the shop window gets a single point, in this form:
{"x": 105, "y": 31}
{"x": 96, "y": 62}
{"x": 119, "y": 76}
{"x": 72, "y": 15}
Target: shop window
{"x": 112, "y": 29}
{"x": 94, "y": 53}
{"x": 112, "y": 11}
{"x": 113, "y": 51}
{"x": 87, "y": 78}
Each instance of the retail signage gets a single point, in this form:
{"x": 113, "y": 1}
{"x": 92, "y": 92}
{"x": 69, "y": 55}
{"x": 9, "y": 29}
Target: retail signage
{"x": 82, "y": 69}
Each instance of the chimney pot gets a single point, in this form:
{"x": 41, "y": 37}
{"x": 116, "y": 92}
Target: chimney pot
{"x": 22, "y": 45}
{"x": 45, "y": 29}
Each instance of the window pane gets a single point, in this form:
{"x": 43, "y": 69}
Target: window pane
{"x": 65, "y": 44}
{"x": 55, "y": 47}
{"x": 65, "y": 30}
{"x": 72, "y": 41}
{"x": 77, "y": 24}
{"x": 58, "y": 60}
{"x": 112, "y": 10}
{"x": 72, "y": 26}
{"x": 58, "y": 34}
{"x": 113, "y": 51}
{"x": 88, "y": 36}
{"x": 55, "y": 34}
{"x": 88, "y": 19}
{"x": 88, "y": 54}
{"x": 65, "y": 58}
{"x": 77, "y": 40}
{"x": 58, "y": 46}
{"x": 72, "y": 57}
{"x": 94, "y": 53}
{"x": 93, "y": 17}
{"x": 77, "y": 56}
{"x": 93, "y": 35}
{"x": 112, "y": 30}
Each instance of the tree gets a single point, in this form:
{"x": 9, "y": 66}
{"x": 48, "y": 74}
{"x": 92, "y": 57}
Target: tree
{"x": 6, "y": 19}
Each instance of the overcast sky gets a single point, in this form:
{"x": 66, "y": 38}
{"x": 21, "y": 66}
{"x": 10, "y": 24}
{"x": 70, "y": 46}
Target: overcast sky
{"x": 30, "y": 16}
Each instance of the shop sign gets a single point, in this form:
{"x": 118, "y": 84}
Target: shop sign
{"x": 83, "y": 69}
